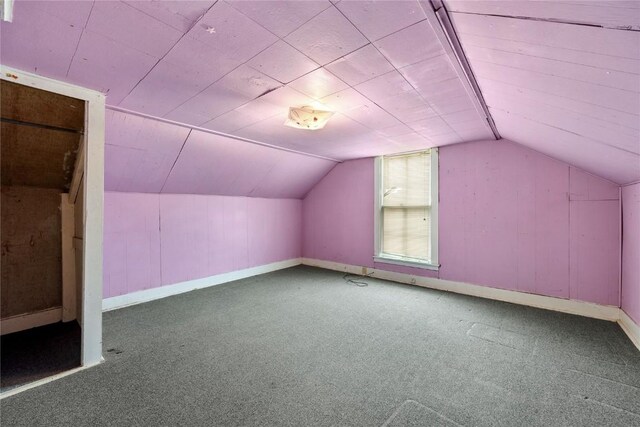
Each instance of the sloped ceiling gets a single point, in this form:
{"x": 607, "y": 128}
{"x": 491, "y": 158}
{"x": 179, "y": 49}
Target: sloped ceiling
{"x": 237, "y": 66}
{"x": 149, "y": 156}
{"x": 560, "y": 77}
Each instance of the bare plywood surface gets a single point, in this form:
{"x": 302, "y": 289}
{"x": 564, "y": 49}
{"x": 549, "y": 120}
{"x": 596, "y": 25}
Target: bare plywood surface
{"x": 27, "y": 104}
{"x": 31, "y": 266}
{"x": 37, "y": 157}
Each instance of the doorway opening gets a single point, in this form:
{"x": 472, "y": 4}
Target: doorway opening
{"x": 50, "y": 316}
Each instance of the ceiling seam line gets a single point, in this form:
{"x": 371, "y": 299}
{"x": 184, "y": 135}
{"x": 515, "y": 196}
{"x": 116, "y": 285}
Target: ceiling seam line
{"x": 551, "y": 20}
{"x": 167, "y": 52}
{"x": 79, "y": 39}
{"x": 225, "y": 75}
{"x": 247, "y": 61}
{"x": 403, "y": 77}
{"x": 213, "y": 132}
{"x": 567, "y": 131}
{"x": 530, "y": 43}
{"x": 176, "y": 160}
{"x": 559, "y": 96}
{"x": 558, "y": 76}
{"x": 131, "y": 4}
{"x": 552, "y": 59}
{"x": 628, "y": 131}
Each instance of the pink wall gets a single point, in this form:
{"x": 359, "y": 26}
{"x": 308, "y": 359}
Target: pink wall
{"x": 631, "y": 251}
{"x": 510, "y": 218}
{"x": 153, "y": 240}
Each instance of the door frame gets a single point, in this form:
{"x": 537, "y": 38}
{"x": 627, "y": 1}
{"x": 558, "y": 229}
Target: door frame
{"x": 92, "y": 173}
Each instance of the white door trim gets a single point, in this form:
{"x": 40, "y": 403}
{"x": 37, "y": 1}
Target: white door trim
{"x": 93, "y": 176}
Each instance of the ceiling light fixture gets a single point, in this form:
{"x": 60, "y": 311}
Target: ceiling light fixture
{"x": 307, "y": 118}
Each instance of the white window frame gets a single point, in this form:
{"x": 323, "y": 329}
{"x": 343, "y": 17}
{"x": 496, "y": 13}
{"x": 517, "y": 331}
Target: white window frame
{"x": 381, "y": 257}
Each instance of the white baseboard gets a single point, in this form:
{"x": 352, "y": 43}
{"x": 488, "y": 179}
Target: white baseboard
{"x": 30, "y": 320}
{"x": 191, "y": 285}
{"x": 631, "y": 328}
{"x": 581, "y": 308}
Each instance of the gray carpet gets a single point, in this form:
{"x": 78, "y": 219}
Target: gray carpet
{"x": 302, "y": 347}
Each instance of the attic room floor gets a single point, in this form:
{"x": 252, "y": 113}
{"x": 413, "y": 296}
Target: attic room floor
{"x": 303, "y": 346}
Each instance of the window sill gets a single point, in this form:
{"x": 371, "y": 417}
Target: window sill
{"x": 405, "y": 262}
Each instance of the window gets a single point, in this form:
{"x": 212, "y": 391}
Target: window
{"x": 407, "y": 209}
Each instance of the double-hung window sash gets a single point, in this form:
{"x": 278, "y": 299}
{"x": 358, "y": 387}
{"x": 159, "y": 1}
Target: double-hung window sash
{"x": 406, "y": 206}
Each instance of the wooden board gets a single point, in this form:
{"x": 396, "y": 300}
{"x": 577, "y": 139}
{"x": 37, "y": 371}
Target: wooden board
{"x": 37, "y": 157}
{"x": 31, "y": 264}
{"x": 27, "y": 104}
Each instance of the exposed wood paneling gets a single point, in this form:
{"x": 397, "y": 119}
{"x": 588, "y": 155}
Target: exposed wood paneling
{"x": 37, "y": 157}
{"x": 610, "y": 14}
{"x": 31, "y": 250}
{"x": 27, "y": 104}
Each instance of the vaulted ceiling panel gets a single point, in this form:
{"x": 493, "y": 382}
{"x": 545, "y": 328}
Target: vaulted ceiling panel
{"x": 318, "y": 84}
{"x": 131, "y": 27}
{"x": 232, "y": 34}
{"x": 410, "y": 45}
{"x": 326, "y": 37}
{"x": 170, "y": 83}
{"x": 620, "y": 14}
{"x": 376, "y": 19}
{"x": 280, "y": 17}
{"x": 235, "y": 89}
{"x": 357, "y": 67}
{"x": 178, "y": 14}
{"x": 282, "y": 62}
{"x": 115, "y": 65}
{"x": 139, "y": 152}
{"x": 48, "y": 38}
{"x": 151, "y": 156}
{"x": 384, "y": 67}
{"x": 571, "y": 91}
{"x": 212, "y": 164}
{"x": 237, "y": 67}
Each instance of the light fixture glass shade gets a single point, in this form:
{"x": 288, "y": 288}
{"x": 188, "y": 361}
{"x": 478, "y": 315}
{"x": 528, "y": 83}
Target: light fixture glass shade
{"x": 307, "y": 118}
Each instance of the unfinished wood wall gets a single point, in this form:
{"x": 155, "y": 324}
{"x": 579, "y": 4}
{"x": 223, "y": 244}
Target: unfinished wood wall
{"x": 40, "y": 135}
{"x": 31, "y": 250}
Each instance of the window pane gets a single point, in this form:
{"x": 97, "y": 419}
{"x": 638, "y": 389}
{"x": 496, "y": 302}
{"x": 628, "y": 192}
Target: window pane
{"x": 406, "y": 232}
{"x": 407, "y": 180}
